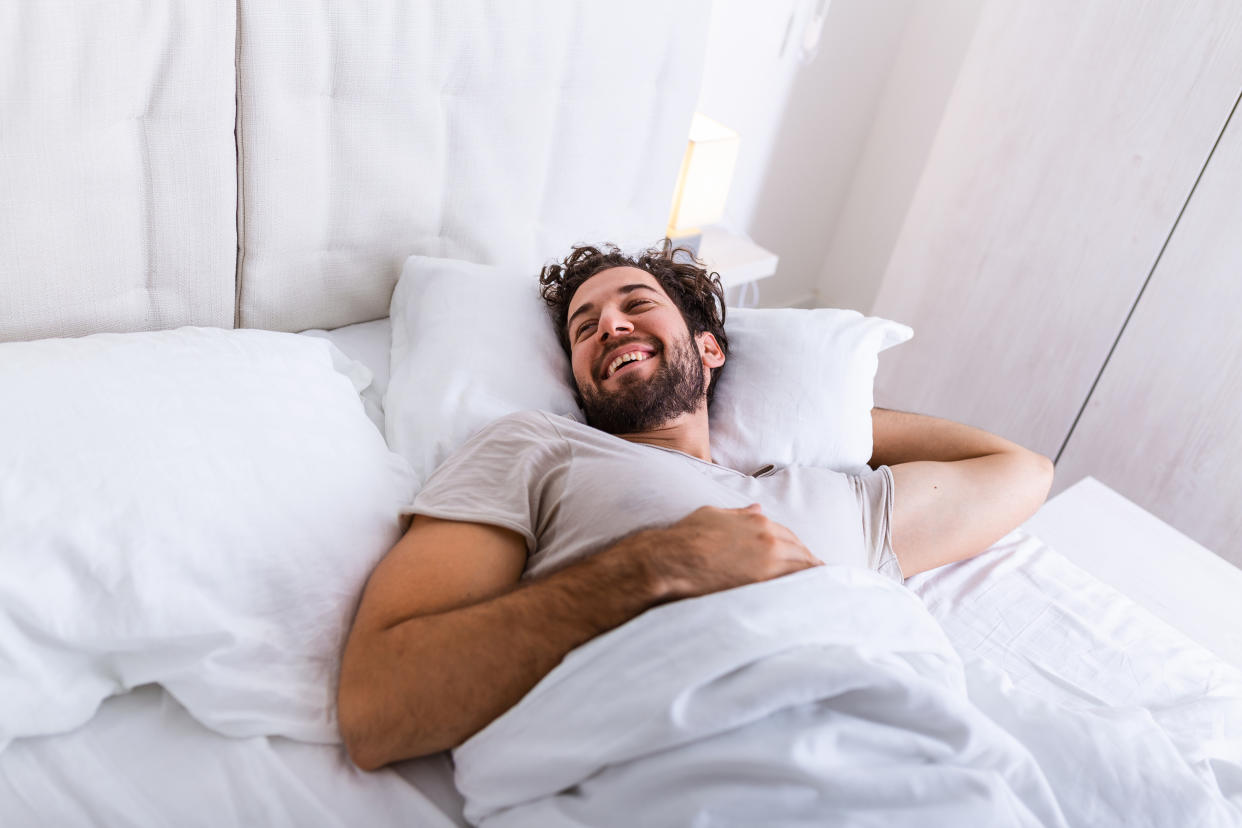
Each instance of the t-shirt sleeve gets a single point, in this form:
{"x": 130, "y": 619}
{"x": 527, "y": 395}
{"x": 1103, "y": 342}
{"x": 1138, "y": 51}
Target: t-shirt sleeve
{"x": 496, "y": 477}
{"x": 874, "y": 490}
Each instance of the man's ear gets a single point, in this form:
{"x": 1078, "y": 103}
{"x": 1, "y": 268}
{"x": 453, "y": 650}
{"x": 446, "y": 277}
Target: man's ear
{"x": 709, "y": 348}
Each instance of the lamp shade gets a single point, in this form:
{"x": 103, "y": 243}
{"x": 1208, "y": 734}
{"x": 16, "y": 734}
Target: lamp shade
{"x": 703, "y": 183}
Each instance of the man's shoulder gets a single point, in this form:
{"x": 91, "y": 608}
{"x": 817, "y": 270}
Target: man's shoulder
{"x": 531, "y": 425}
{"x": 525, "y": 439}
{"x": 529, "y": 420}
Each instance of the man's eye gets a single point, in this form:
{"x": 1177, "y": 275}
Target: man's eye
{"x": 584, "y": 329}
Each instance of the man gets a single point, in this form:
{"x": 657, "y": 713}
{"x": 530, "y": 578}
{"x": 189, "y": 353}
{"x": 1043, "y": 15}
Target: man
{"x": 542, "y": 533}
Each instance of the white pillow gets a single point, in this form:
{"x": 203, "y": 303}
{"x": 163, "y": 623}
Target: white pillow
{"x": 473, "y": 343}
{"x": 369, "y": 343}
{"x": 470, "y": 343}
{"x": 797, "y": 388}
{"x": 197, "y": 507}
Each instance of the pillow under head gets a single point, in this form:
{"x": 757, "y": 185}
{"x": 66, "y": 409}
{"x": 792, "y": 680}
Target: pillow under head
{"x": 472, "y": 343}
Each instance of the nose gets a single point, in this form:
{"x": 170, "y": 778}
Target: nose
{"x": 613, "y": 322}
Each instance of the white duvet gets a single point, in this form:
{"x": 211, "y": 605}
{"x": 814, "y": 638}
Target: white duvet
{"x": 830, "y": 697}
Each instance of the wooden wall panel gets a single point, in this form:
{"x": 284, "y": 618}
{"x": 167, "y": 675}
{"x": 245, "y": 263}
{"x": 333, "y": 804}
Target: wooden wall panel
{"x": 1164, "y": 425}
{"x": 1071, "y": 141}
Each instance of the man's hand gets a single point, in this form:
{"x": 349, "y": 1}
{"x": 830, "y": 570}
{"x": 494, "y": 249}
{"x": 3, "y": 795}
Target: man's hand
{"x": 714, "y": 549}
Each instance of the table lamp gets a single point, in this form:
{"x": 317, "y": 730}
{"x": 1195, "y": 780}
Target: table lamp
{"x": 703, "y": 183}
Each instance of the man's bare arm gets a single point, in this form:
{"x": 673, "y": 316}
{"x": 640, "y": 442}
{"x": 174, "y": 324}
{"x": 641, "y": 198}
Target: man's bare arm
{"x": 959, "y": 489}
{"x": 445, "y": 641}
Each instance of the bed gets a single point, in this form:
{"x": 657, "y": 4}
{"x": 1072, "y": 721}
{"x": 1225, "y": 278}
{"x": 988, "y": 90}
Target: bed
{"x": 262, "y": 166}
{"x": 1055, "y": 629}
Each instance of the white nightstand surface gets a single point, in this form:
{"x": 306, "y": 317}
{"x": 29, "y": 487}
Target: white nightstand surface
{"x": 736, "y": 258}
{"x": 1153, "y": 564}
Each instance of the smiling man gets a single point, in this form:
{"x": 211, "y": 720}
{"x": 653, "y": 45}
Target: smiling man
{"x": 639, "y": 370}
{"x": 541, "y": 532}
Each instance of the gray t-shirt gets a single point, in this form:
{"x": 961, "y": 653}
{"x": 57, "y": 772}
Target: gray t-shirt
{"x": 572, "y": 490}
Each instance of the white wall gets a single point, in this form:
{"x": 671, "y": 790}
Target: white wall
{"x": 802, "y": 125}
{"x": 924, "y": 72}
{"x": 830, "y": 147}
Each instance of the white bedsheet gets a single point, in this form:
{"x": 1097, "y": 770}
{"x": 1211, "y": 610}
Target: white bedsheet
{"x": 1064, "y": 635}
{"x": 1036, "y": 630}
{"x": 143, "y": 761}
{"x": 1124, "y": 545}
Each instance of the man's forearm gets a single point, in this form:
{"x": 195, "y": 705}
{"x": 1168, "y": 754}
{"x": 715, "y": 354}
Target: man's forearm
{"x": 899, "y": 437}
{"x": 431, "y": 682}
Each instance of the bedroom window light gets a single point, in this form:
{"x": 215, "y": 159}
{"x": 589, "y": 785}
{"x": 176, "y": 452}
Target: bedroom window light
{"x": 703, "y": 183}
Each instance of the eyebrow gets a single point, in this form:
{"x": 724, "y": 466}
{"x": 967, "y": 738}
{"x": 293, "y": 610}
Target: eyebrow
{"x": 588, "y": 307}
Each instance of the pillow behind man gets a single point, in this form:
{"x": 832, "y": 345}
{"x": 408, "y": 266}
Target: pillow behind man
{"x": 472, "y": 343}
{"x": 797, "y": 389}
{"x": 196, "y": 507}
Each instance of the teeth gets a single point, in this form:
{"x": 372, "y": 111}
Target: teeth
{"x": 632, "y": 356}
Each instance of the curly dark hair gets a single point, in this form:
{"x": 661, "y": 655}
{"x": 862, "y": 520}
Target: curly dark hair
{"x": 695, "y": 290}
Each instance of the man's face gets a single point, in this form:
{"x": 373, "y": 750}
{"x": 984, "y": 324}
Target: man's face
{"x": 634, "y": 362}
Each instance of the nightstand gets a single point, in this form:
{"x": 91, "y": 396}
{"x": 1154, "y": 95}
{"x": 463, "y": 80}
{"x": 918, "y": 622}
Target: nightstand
{"x": 740, "y": 262}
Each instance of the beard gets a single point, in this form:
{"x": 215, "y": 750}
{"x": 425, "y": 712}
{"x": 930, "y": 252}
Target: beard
{"x": 675, "y": 388}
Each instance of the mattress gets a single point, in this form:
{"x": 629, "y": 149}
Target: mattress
{"x": 142, "y": 760}
{"x": 1053, "y": 628}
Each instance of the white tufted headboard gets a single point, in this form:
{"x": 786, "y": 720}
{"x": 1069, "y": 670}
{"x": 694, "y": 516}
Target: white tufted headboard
{"x": 271, "y": 163}
{"x": 117, "y": 186}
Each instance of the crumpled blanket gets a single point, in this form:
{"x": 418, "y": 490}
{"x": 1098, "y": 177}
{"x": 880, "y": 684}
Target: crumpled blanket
{"x": 826, "y": 697}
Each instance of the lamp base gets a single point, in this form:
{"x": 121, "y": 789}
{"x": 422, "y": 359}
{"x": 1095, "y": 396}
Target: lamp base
{"x": 690, "y": 240}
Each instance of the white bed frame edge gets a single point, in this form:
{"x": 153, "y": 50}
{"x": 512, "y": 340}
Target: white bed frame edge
{"x": 1173, "y": 577}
